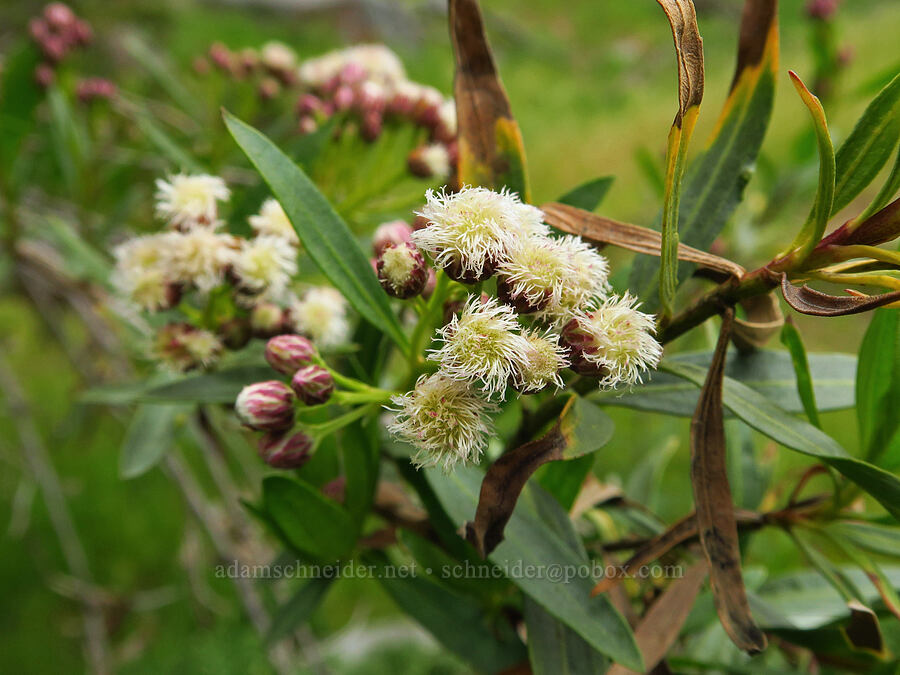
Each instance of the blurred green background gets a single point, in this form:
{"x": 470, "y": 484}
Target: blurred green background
{"x": 593, "y": 87}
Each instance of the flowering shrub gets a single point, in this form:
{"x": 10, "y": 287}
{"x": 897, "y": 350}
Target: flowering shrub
{"x": 428, "y": 381}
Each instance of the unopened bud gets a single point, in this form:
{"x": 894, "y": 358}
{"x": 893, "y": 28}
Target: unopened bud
{"x": 267, "y": 320}
{"x": 269, "y": 88}
{"x": 59, "y": 16}
{"x": 309, "y": 104}
{"x": 391, "y": 234}
{"x": 221, "y": 57}
{"x": 371, "y": 125}
{"x": 285, "y": 451}
{"x": 266, "y": 406}
{"x": 95, "y": 88}
{"x": 343, "y": 97}
{"x": 401, "y": 270}
{"x": 307, "y": 125}
{"x": 43, "y": 75}
{"x": 518, "y": 301}
{"x": 352, "y": 73}
{"x": 429, "y": 160}
{"x": 288, "y": 353}
{"x": 313, "y": 384}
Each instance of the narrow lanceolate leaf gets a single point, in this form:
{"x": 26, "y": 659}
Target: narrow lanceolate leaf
{"x": 790, "y": 338}
{"x": 297, "y": 611}
{"x": 807, "y": 300}
{"x": 325, "y": 236}
{"x": 19, "y": 96}
{"x": 715, "y": 509}
{"x": 456, "y": 621}
{"x": 715, "y": 182}
{"x": 588, "y": 195}
{"x": 885, "y": 194}
{"x": 814, "y": 228}
{"x": 582, "y": 428}
{"x": 761, "y": 414}
{"x": 868, "y": 146}
{"x": 555, "y": 648}
{"x": 491, "y": 152}
{"x": 539, "y": 533}
{"x": 689, "y": 52}
{"x": 878, "y": 384}
{"x": 150, "y": 436}
{"x": 659, "y": 628}
{"x": 600, "y": 231}
{"x": 309, "y": 521}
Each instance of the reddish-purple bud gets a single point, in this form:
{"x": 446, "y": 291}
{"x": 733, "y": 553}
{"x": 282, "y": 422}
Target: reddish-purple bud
{"x": 59, "y": 15}
{"x": 54, "y": 48}
{"x": 579, "y": 342}
{"x": 266, "y": 406}
{"x": 313, "y": 384}
{"x": 457, "y": 272}
{"x": 288, "y": 353}
{"x": 221, "y": 57}
{"x": 352, "y": 73}
{"x": 401, "y": 270}
{"x": 390, "y": 234}
{"x": 519, "y": 302}
{"x": 94, "y": 89}
{"x": 309, "y": 104}
{"x": 307, "y": 125}
{"x": 371, "y": 125}
{"x": 82, "y": 33}
{"x": 44, "y": 75}
{"x": 335, "y": 489}
{"x": 269, "y": 88}
{"x": 343, "y": 97}
{"x": 821, "y": 9}
{"x": 286, "y": 450}
{"x": 38, "y": 29}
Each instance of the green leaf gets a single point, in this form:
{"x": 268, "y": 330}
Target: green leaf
{"x": 885, "y": 194}
{"x": 80, "y": 258}
{"x": 563, "y": 480}
{"x": 222, "y": 386}
{"x": 311, "y": 522}
{"x": 532, "y": 541}
{"x": 878, "y": 384}
{"x": 19, "y": 96}
{"x": 297, "y": 611}
{"x": 868, "y": 146}
{"x": 880, "y": 539}
{"x": 170, "y": 149}
{"x": 588, "y": 195}
{"x": 814, "y": 227}
{"x": 760, "y": 413}
{"x": 790, "y": 338}
{"x": 766, "y": 371}
{"x": 555, "y": 648}
{"x": 162, "y": 71}
{"x": 714, "y": 183}
{"x": 360, "y": 452}
{"x": 326, "y": 237}
{"x": 149, "y": 437}
{"x": 457, "y": 621}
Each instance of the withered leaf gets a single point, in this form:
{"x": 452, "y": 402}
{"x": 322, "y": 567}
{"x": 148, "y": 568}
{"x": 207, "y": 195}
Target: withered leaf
{"x": 599, "y": 231}
{"x": 807, "y": 300}
{"x": 659, "y": 628}
{"x": 689, "y": 50}
{"x": 715, "y": 509}
{"x": 764, "y": 319}
{"x": 491, "y": 152}
{"x": 863, "y": 630}
{"x": 581, "y": 428}
{"x": 758, "y": 21}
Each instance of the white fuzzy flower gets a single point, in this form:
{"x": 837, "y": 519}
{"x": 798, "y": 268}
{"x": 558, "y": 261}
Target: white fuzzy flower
{"x": 322, "y": 315}
{"x": 553, "y": 276}
{"x": 201, "y": 257}
{"x": 278, "y": 56}
{"x": 272, "y": 220}
{"x": 379, "y": 63}
{"x": 544, "y": 359}
{"x": 447, "y": 116}
{"x": 142, "y": 271}
{"x": 444, "y": 419}
{"x": 186, "y": 200}
{"x": 613, "y": 342}
{"x": 482, "y": 344}
{"x": 469, "y": 232}
{"x": 430, "y": 160}
{"x": 266, "y": 263}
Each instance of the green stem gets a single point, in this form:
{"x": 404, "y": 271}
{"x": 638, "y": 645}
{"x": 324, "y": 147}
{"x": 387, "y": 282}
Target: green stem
{"x": 422, "y": 331}
{"x": 351, "y": 397}
{"x": 338, "y": 423}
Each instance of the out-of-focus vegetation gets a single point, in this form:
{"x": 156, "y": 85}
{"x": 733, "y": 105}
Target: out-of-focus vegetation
{"x": 592, "y": 88}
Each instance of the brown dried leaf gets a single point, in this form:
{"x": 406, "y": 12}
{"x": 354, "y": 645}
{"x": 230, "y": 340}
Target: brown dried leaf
{"x": 863, "y": 630}
{"x": 689, "y": 51}
{"x": 680, "y": 532}
{"x": 760, "y": 18}
{"x": 715, "y": 509}
{"x": 582, "y": 428}
{"x": 764, "y": 319}
{"x": 807, "y": 300}
{"x": 659, "y": 628}
{"x": 491, "y": 151}
{"x": 599, "y": 230}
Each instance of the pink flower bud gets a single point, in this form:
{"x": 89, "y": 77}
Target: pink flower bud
{"x": 95, "y": 88}
{"x": 38, "y": 29}
{"x": 343, "y": 97}
{"x": 390, "y": 234}
{"x": 269, "y": 88}
{"x": 59, "y": 15}
{"x": 288, "y": 353}
{"x": 401, "y": 270}
{"x": 335, "y": 489}
{"x": 54, "y": 48}
{"x": 44, "y": 75}
{"x": 309, "y": 104}
{"x": 221, "y": 57}
{"x": 313, "y": 384}
{"x": 371, "y": 125}
{"x": 579, "y": 341}
{"x": 307, "y": 125}
{"x": 82, "y": 33}
{"x": 201, "y": 66}
{"x": 352, "y": 73}
{"x": 266, "y": 406}
{"x": 285, "y": 451}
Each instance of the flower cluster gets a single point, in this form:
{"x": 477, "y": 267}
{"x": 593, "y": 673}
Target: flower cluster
{"x": 229, "y": 288}
{"x": 57, "y": 32}
{"x": 363, "y": 83}
{"x": 270, "y": 406}
{"x": 553, "y": 310}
